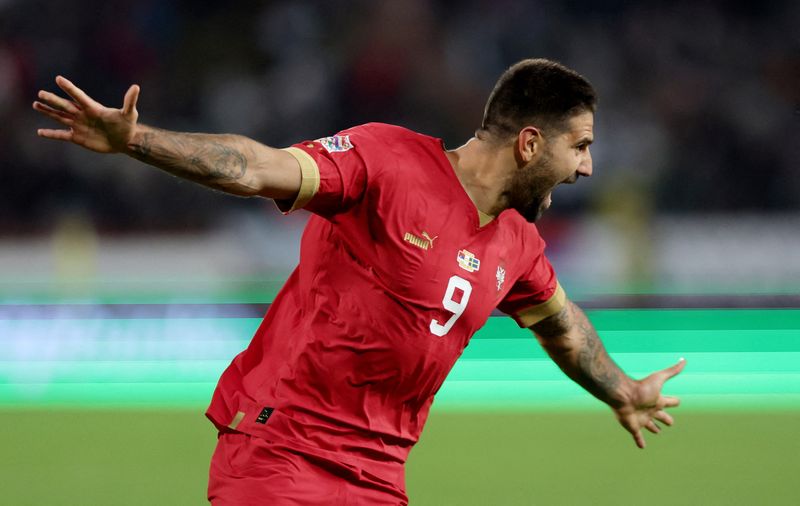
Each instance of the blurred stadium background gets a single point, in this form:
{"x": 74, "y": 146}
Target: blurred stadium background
{"x": 125, "y": 292}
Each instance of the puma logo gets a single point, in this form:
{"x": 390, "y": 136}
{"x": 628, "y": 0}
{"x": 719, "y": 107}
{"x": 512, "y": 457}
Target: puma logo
{"x": 430, "y": 240}
{"x": 426, "y": 243}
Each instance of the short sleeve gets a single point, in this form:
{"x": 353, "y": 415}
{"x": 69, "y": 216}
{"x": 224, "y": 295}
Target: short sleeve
{"x": 536, "y": 295}
{"x": 334, "y": 173}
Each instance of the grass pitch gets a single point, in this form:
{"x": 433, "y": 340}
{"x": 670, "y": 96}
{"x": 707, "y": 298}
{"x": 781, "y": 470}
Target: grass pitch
{"x": 133, "y": 457}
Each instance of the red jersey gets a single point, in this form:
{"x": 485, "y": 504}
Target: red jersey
{"x": 398, "y": 269}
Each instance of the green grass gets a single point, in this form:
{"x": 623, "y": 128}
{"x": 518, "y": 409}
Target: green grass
{"x": 91, "y": 457}
{"x": 711, "y": 458}
{"x": 133, "y": 457}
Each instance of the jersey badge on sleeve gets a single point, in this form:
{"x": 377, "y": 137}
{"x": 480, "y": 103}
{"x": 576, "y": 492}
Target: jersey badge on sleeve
{"x": 501, "y": 277}
{"x": 336, "y": 144}
{"x": 467, "y": 261}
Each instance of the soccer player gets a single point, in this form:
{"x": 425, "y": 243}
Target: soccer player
{"x": 409, "y": 249}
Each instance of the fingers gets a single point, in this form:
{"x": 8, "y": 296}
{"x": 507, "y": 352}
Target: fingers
{"x": 669, "y": 402}
{"x": 61, "y": 117}
{"x": 638, "y": 439}
{"x": 652, "y": 427}
{"x": 131, "y": 97}
{"x": 76, "y": 93}
{"x": 663, "y": 417}
{"x": 58, "y": 103}
{"x": 59, "y": 135}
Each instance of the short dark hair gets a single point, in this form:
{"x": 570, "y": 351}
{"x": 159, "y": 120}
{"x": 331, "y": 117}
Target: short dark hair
{"x": 537, "y": 92}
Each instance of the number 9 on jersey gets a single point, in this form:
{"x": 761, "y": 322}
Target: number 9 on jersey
{"x": 457, "y": 308}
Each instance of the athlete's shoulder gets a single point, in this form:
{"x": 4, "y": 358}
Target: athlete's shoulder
{"x": 397, "y": 150}
{"x": 378, "y": 128}
{"x": 384, "y": 132}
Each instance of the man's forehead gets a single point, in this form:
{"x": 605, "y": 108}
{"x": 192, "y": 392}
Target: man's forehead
{"x": 581, "y": 125}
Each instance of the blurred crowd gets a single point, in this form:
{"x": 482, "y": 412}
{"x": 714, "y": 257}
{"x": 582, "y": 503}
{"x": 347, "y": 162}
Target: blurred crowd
{"x": 698, "y": 109}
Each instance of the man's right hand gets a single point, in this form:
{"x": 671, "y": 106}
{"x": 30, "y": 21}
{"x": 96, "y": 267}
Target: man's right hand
{"x": 88, "y": 123}
{"x": 225, "y": 162}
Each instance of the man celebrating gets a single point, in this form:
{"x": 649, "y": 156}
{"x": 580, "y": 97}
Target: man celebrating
{"x": 409, "y": 249}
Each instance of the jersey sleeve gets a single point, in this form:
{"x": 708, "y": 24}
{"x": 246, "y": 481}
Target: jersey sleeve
{"x": 334, "y": 172}
{"x": 536, "y": 295}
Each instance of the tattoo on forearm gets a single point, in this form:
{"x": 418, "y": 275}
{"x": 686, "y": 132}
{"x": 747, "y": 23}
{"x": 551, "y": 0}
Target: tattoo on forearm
{"x": 555, "y": 325}
{"x": 594, "y": 361}
{"x": 198, "y": 157}
{"x": 571, "y": 340}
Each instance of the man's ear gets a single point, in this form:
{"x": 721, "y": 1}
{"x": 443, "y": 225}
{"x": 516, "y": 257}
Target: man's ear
{"x": 529, "y": 144}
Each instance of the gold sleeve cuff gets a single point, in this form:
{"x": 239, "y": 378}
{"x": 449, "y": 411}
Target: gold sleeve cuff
{"x": 309, "y": 181}
{"x": 539, "y": 312}
{"x": 236, "y": 420}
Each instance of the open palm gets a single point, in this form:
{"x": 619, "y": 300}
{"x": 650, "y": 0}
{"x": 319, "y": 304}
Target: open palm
{"x": 88, "y": 123}
{"x": 646, "y": 404}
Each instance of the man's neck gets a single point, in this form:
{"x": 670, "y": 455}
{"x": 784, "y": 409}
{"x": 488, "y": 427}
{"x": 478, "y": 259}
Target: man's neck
{"x": 484, "y": 170}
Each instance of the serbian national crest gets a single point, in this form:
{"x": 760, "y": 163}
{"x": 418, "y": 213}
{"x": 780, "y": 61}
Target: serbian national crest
{"x": 468, "y": 261}
{"x": 501, "y": 277}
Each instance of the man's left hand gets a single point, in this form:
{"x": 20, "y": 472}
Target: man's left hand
{"x": 646, "y": 405}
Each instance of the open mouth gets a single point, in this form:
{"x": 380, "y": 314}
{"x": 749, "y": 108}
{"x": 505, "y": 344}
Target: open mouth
{"x": 570, "y": 180}
{"x": 548, "y": 199}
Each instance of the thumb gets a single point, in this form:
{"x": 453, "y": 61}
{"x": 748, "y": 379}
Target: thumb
{"x": 672, "y": 371}
{"x": 129, "y": 102}
{"x": 675, "y": 369}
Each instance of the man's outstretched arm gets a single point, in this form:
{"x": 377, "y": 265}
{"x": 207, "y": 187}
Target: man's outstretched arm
{"x": 230, "y": 163}
{"x": 572, "y": 342}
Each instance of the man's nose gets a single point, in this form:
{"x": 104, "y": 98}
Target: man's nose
{"x": 585, "y": 167}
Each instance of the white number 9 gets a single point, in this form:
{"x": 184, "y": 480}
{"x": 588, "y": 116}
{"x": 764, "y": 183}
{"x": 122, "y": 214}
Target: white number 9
{"x": 457, "y": 308}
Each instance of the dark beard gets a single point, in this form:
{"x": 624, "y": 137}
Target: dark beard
{"x": 526, "y": 202}
{"x": 528, "y": 189}
{"x": 533, "y": 211}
